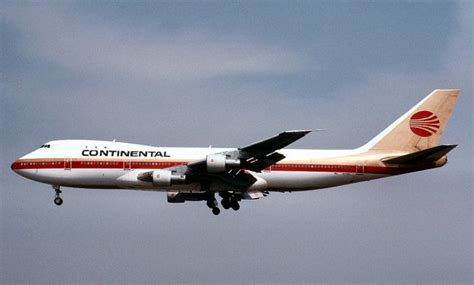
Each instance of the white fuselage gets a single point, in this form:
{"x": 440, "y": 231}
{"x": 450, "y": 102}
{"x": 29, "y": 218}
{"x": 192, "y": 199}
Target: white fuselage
{"x": 116, "y": 165}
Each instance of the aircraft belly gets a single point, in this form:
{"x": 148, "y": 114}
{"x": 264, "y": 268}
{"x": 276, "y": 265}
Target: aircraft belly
{"x": 126, "y": 179}
{"x": 100, "y": 178}
{"x": 77, "y": 177}
{"x": 293, "y": 181}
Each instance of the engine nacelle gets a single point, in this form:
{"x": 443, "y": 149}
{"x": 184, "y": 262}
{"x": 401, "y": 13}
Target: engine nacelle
{"x": 165, "y": 178}
{"x": 218, "y": 163}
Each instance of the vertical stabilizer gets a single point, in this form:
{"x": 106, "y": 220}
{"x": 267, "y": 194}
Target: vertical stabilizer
{"x": 421, "y": 127}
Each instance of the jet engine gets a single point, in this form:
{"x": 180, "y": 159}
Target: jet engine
{"x": 162, "y": 177}
{"x": 166, "y": 178}
{"x": 218, "y": 163}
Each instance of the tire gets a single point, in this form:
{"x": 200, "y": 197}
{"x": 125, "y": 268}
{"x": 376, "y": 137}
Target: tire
{"x": 225, "y": 204}
{"x": 58, "y": 201}
{"x": 216, "y": 211}
{"x": 235, "y": 206}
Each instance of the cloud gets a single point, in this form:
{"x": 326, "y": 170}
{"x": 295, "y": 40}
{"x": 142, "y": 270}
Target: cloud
{"x": 417, "y": 224}
{"x": 70, "y": 40}
{"x": 373, "y": 97}
{"x": 460, "y": 47}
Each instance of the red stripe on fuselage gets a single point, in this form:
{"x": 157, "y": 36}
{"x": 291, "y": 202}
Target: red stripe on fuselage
{"x": 127, "y": 164}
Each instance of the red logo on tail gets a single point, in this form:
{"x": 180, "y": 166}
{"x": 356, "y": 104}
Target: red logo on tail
{"x": 424, "y": 123}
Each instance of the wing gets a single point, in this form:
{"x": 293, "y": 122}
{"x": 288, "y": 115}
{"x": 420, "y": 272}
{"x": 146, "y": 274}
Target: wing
{"x": 230, "y": 167}
{"x": 259, "y": 155}
{"x": 228, "y": 170}
{"x": 274, "y": 143}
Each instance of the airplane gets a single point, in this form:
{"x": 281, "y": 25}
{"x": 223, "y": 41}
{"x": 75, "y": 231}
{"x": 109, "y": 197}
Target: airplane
{"x": 247, "y": 173}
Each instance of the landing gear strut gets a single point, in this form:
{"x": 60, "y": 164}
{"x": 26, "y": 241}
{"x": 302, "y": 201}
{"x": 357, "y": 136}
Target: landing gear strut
{"x": 212, "y": 203}
{"x": 57, "y": 200}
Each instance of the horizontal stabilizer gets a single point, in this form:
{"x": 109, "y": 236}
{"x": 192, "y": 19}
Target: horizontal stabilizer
{"x": 427, "y": 155}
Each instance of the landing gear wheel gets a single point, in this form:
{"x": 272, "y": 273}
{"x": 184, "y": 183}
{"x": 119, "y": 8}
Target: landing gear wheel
{"x": 216, "y": 211}
{"x": 211, "y": 203}
{"x": 225, "y": 203}
{"x": 58, "y": 201}
{"x": 235, "y": 205}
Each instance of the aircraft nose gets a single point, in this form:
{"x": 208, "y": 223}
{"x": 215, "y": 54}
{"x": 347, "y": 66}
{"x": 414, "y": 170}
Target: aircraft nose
{"x": 15, "y": 166}
{"x": 21, "y": 168}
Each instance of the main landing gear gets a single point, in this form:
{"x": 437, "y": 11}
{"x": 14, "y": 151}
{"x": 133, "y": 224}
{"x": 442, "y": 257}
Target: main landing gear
{"x": 229, "y": 201}
{"x": 212, "y": 203}
{"x": 57, "y": 200}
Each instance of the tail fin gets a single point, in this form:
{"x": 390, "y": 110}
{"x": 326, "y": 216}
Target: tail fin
{"x": 421, "y": 127}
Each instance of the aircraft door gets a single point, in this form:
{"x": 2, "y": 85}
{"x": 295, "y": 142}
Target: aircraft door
{"x": 360, "y": 167}
{"x": 67, "y": 164}
{"x": 127, "y": 164}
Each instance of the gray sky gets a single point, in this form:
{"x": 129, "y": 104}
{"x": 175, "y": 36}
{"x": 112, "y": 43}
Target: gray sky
{"x": 228, "y": 74}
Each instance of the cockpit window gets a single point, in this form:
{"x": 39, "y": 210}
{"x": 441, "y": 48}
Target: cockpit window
{"x": 45, "y": 146}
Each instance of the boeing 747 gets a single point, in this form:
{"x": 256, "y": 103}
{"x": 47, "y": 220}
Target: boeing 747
{"x": 251, "y": 172}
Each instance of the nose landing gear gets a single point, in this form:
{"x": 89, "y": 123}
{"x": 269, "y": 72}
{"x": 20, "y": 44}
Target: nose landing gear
{"x": 57, "y": 200}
